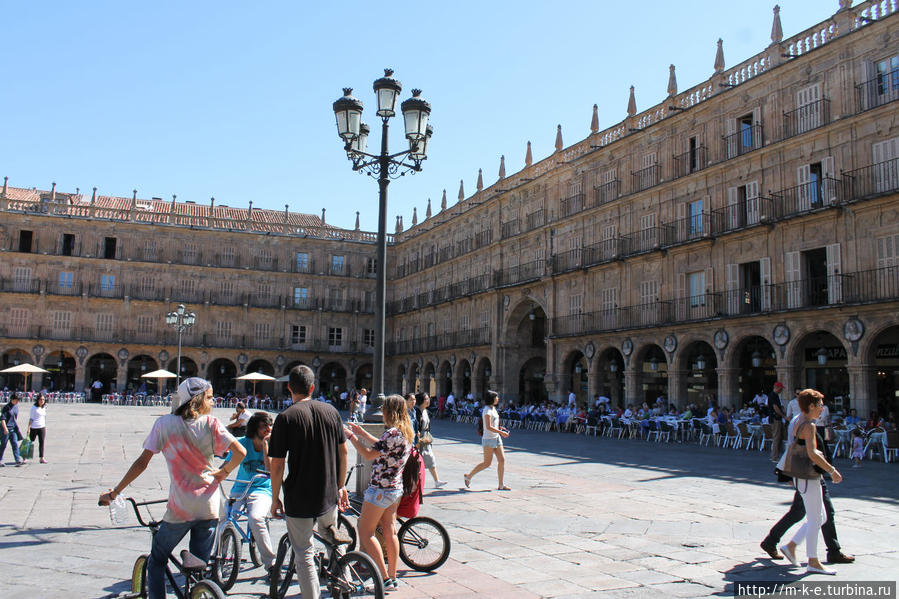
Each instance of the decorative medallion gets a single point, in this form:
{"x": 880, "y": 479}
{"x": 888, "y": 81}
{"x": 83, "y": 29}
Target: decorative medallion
{"x": 242, "y": 359}
{"x": 781, "y": 334}
{"x": 721, "y": 339}
{"x": 38, "y": 351}
{"x": 590, "y": 350}
{"x": 670, "y": 343}
{"x": 506, "y": 301}
{"x": 163, "y": 356}
{"x": 627, "y": 347}
{"x": 81, "y": 352}
{"x": 315, "y": 361}
{"x": 420, "y": 363}
{"x": 471, "y": 358}
{"x": 279, "y": 361}
{"x": 123, "y": 354}
{"x": 452, "y": 359}
{"x": 353, "y": 365}
{"x": 854, "y": 329}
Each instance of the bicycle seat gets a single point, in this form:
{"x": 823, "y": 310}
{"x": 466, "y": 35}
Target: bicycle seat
{"x": 334, "y": 536}
{"x": 191, "y": 562}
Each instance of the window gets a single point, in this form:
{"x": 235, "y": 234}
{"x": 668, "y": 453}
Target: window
{"x": 227, "y": 256}
{"x": 575, "y": 304}
{"x": 808, "y": 108}
{"x": 609, "y": 298}
{"x": 22, "y": 279}
{"x": 189, "y": 253}
{"x": 68, "y": 244}
{"x": 887, "y": 75}
{"x": 693, "y": 161}
{"x": 150, "y": 250}
{"x": 649, "y": 292}
{"x": 104, "y": 327}
{"x": 696, "y": 218}
{"x": 302, "y": 262}
{"x": 300, "y": 297}
{"x": 223, "y": 330}
{"x": 147, "y": 285}
{"x": 368, "y": 337}
{"x": 886, "y": 165}
{"x": 107, "y": 282}
{"x": 538, "y": 254}
{"x": 744, "y": 127}
{"x": 25, "y": 241}
{"x": 648, "y": 237}
{"x": 335, "y": 298}
{"x": 465, "y": 322}
{"x": 297, "y": 334}
{"x": 62, "y": 322}
{"x": 109, "y": 248}
{"x": 696, "y": 288}
{"x": 187, "y": 287}
{"x": 337, "y": 263}
{"x": 335, "y": 337}
{"x": 145, "y": 325}
{"x": 265, "y": 258}
{"x": 574, "y": 243}
{"x": 263, "y": 331}
{"x": 485, "y": 319}
{"x": 66, "y": 280}
{"x": 743, "y": 205}
{"x": 371, "y": 267}
{"x": 264, "y": 291}
{"x": 18, "y": 321}
{"x": 368, "y": 301}
{"x": 226, "y": 290}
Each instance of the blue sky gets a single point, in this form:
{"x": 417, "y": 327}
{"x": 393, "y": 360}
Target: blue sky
{"x": 233, "y": 100}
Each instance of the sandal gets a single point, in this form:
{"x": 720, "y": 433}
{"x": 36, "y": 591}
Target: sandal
{"x": 467, "y": 481}
{"x": 504, "y": 488}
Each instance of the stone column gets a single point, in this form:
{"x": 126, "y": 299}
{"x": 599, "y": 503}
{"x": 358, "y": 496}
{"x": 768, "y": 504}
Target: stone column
{"x": 677, "y": 387}
{"x": 728, "y": 393}
{"x": 791, "y": 378}
{"x": 632, "y": 387}
{"x": 862, "y": 389}
{"x": 592, "y": 383}
{"x": 553, "y": 389}
{"x": 80, "y": 384}
{"x": 121, "y": 377}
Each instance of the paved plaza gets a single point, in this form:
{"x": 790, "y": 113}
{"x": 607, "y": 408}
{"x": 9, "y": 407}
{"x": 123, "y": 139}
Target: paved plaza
{"x": 587, "y": 517}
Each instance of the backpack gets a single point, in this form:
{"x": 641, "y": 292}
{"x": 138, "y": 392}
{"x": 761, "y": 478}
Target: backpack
{"x": 412, "y": 473}
{"x": 408, "y": 507}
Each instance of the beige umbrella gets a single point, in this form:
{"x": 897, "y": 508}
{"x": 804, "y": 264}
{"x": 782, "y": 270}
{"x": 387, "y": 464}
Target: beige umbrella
{"x": 255, "y": 377}
{"x": 159, "y": 375}
{"x": 24, "y": 369}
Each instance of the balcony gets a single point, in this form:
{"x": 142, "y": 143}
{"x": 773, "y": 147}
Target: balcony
{"x": 645, "y": 240}
{"x": 518, "y": 274}
{"x": 20, "y": 285}
{"x": 227, "y": 260}
{"x": 265, "y": 263}
{"x": 463, "y": 246}
{"x": 536, "y": 219}
{"x": 441, "y": 341}
{"x": 226, "y": 299}
{"x": 690, "y": 161}
{"x": 108, "y": 291}
{"x": 603, "y": 251}
{"x": 646, "y": 178}
{"x": 685, "y": 230}
{"x": 57, "y": 288}
{"x": 150, "y": 294}
{"x": 743, "y": 215}
{"x": 880, "y": 90}
{"x": 742, "y": 142}
{"x": 571, "y": 205}
{"x": 446, "y": 253}
{"x": 511, "y": 228}
{"x": 566, "y": 261}
{"x": 807, "y": 197}
{"x": 806, "y": 118}
{"x": 484, "y": 238}
{"x": 697, "y": 307}
{"x": 871, "y": 181}
{"x": 258, "y": 300}
{"x": 605, "y": 193}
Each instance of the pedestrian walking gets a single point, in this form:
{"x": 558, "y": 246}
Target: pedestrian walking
{"x": 385, "y": 489}
{"x": 189, "y": 438}
{"x": 258, "y": 500}
{"x": 425, "y": 439}
{"x": 804, "y": 434}
{"x": 308, "y": 437}
{"x": 9, "y": 429}
{"x": 776, "y": 419}
{"x": 37, "y": 423}
{"x": 491, "y": 442}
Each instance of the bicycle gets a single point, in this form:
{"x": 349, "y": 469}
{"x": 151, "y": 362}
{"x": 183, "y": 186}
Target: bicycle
{"x": 189, "y": 566}
{"x": 424, "y": 542}
{"x": 230, "y": 538}
{"x": 350, "y": 574}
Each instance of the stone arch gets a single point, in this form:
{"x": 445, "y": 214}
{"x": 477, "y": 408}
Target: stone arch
{"x": 137, "y": 367}
{"x": 650, "y": 365}
{"x": 522, "y": 342}
{"x": 61, "y": 366}
{"x": 482, "y": 372}
{"x": 754, "y": 361}
{"x": 882, "y": 372}
{"x": 697, "y": 382}
{"x": 13, "y": 357}
{"x": 831, "y": 377}
{"x": 188, "y": 367}
{"x": 413, "y": 376}
{"x": 575, "y": 376}
{"x": 221, "y": 372}
{"x": 444, "y": 379}
{"x": 332, "y": 379}
{"x": 364, "y": 376}
{"x": 463, "y": 377}
{"x": 101, "y": 367}
{"x": 429, "y": 378}
{"x": 608, "y": 375}
{"x": 522, "y": 309}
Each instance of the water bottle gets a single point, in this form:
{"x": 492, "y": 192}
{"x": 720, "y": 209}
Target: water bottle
{"x": 118, "y": 511}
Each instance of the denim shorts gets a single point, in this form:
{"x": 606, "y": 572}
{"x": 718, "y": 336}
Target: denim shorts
{"x": 382, "y": 498}
{"x": 497, "y": 442}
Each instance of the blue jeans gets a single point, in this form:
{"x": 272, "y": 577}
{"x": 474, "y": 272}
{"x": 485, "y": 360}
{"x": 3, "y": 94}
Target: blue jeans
{"x": 13, "y": 438}
{"x": 202, "y": 536}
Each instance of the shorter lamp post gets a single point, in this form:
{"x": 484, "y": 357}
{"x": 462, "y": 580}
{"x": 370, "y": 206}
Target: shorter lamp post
{"x": 180, "y": 320}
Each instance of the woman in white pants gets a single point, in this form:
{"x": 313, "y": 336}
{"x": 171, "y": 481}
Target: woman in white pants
{"x": 811, "y": 403}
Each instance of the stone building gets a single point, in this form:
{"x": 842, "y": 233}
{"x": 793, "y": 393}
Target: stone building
{"x": 86, "y": 284}
{"x": 743, "y": 231}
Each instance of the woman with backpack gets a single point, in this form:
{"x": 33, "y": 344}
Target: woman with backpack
{"x": 385, "y": 490}
{"x": 492, "y": 435}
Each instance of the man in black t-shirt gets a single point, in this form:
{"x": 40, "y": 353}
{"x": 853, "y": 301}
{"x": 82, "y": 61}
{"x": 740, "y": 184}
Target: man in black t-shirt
{"x": 776, "y": 419}
{"x": 309, "y": 437}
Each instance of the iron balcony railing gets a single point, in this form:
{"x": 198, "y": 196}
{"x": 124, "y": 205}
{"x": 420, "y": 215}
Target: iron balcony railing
{"x": 265, "y": 263}
{"x": 692, "y": 228}
{"x": 742, "y": 142}
{"x": 644, "y": 240}
{"x": 566, "y": 261}
{"x": 605, "y": 193}
{"x": 646, "y": 178}
{"x": 807, "y": 197}
{"x": 484, "y": 238}
{"x": 518, "y": 274}
{"x": 572, "y": 205}
{"x": 227, "y": 299}
{"x": 463, "y": 246}
{"x": 258, "y": 300}
{"x": 690, "y": 161}
{"x": 882, "y": 89}
{"x": 110, "y": 291}
{"x": 872, "y": 180}
{"x": 742, "y": 215}
{"x": 603, "y": 251}
{"x": 57, "y": 288}
{"x": 536, "y": 219}
{"x": 430, "y": 259}
{"x": 29, "y": 285}
{"x": 448, "y": 340}
{"x": 511, "y": 228}
{"x": 806, "y": 118}
{"x": 696, "y": 307}
{"x": 446, "y": 253}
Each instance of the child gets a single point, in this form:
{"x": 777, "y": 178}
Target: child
{"x": 858, "y": 448}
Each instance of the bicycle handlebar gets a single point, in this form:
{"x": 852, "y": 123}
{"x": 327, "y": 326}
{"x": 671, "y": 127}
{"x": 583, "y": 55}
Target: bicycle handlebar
{"x": 135, "y": 505}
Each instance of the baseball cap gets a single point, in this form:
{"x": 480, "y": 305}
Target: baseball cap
{"x": 778, "y": 385}
{"x": 191, "y": 387}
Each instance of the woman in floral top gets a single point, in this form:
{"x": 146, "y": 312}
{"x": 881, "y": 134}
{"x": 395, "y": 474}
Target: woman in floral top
{"x": 385, "y": 490}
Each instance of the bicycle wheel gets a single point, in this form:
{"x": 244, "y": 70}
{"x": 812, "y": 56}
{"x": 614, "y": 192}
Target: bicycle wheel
{"x": 344, "y": 524}
{"x": 139, "y": 577}
{"x": 283, "y": 570}
{"x": 424, "y": 544}
{"x": 206, "y": 589}
{"x": 356, "y": 575}
{"x": 226, "y": 563}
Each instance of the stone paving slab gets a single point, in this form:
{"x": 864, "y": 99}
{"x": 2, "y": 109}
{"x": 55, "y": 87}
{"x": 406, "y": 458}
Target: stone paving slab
{"x": 587, "y": 517}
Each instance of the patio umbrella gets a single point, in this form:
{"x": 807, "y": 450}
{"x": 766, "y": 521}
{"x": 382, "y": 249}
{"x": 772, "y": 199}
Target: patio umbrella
{"x": 255, "y": 377}
{"x": 283, "y": 379}
{"x": 159, "y": 375}
{"x": 25, "y": 370}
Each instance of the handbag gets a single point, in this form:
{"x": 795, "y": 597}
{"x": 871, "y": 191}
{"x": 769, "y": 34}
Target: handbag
{"x": 796, "y": 462}
{"x": 26, "y": 449}
{"x": 425, "y": 439}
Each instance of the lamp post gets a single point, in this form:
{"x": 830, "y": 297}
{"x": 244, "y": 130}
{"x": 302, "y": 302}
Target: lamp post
{"x": 180, "y": 320}
{"x": 383, "y": 167}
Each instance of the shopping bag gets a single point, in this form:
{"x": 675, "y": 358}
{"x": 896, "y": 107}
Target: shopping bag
{"x": 26, "y": 449}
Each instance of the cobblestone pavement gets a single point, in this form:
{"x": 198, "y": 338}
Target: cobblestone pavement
{"x": 587, "y": 517}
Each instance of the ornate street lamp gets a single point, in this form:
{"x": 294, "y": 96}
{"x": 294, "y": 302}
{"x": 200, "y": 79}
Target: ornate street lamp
{"x": 383, "y": 167}
{"x": 180, "y": 320}
{"x": 756, "y": 359}
{"x": 613, "y": 366}
{"x": 822, "y": 356}
{"x": 700, "y": 362}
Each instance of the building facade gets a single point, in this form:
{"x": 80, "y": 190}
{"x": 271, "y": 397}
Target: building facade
{"x": 743, "y": 231}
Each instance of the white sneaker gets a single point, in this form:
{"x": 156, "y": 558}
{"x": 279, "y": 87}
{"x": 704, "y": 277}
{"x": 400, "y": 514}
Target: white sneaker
{"x": 440, "y": 484}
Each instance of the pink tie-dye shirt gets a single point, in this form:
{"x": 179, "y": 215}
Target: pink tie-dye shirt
{"x": 189, "y": 447}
